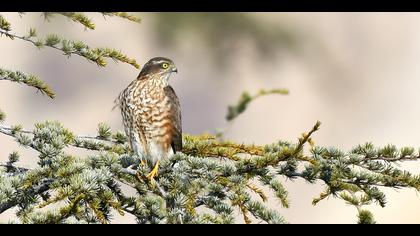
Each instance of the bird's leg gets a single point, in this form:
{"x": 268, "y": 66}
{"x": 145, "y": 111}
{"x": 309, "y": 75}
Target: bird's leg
{"x": 154, "y": 172}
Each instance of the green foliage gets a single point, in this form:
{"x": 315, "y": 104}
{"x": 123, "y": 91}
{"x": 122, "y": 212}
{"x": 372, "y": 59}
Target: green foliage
{"x": 365, "y": 217}
{"x": 69, "y": 47}
{"x": 184, "y": 183}
{"x": 4, "y": 24}
{"x": 237, "y": 109}
{"x": 14, "y": 157}
{"x": 278, "y": 188}
{"x": 119, "y": 137}
{"x": 30, "y": 80}
{"x": 88, "y": 23}
{"x": 217, "y": 175}
{"x": 104, "y": 131}
{"x": 2, "y": 116}
{"x": 15, "y": 129}
{"x": 5, "y": 28}
{"x": 23, "y": 139}
{"x": 52, "y": 40}
{"x": 32, "y": 33}
{"x": 123, "y": 15}
{"x": 261, "y": 212}
{"x": 74, "y": 16}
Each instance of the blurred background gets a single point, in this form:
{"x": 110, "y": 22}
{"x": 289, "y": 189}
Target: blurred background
{"x": 358, "y": 73}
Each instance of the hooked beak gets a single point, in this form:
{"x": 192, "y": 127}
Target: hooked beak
{"x": 174, "y": 69}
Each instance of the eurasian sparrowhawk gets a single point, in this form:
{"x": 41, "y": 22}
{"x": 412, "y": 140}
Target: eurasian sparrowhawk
{"x": 152, "y": 114}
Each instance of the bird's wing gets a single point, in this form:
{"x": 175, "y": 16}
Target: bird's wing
{"x": 117, "y": 101}
{"x": 176, "y": 116}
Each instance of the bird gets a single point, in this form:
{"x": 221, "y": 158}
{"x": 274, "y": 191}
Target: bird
{"x": 151, "y": 114}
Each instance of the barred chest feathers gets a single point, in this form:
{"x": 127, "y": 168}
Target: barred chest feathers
{"x": 148, "y": 115}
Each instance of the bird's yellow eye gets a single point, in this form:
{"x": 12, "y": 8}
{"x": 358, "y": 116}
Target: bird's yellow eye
{"x": 165, "y": 65}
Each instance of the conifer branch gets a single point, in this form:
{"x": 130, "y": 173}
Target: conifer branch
{"x": 5, "y": 27}
{"x": 69, "y": 47}
{"x": 245, "y": 164}
{"x": 86, "y": 22}
{"x": 74, "y": 16}
{"x": 245, "y": 99}
{"x": 235, "y": 110}
{"x": 20, "y": 195}
{"x": 123, "y": 15}
{"x": 30, "y": 80}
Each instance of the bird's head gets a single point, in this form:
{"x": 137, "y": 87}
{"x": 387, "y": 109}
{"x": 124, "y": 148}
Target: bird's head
{"x": 158, "y": 66}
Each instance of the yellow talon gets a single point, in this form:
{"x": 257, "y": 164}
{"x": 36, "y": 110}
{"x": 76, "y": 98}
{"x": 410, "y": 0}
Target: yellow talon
{"x": 154, "y": 172}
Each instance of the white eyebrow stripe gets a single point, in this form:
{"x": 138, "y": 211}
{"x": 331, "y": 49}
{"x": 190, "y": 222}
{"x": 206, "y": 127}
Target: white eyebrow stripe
{"x": 159, "y": 62}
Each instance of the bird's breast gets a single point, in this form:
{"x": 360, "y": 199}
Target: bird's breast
{"x": 147, "y": 112}
{"x": 153, "y": 117}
